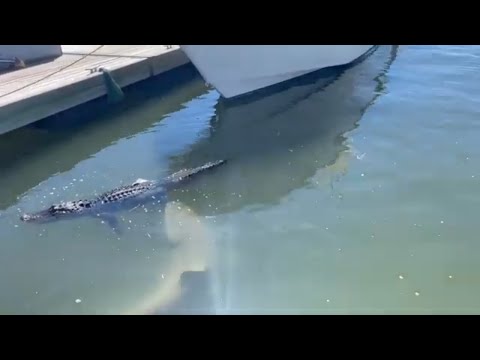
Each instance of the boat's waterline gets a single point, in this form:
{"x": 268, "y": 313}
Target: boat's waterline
{"x": 235, "y": 70}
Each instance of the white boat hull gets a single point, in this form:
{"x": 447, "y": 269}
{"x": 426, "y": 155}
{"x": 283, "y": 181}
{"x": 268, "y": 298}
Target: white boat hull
{"x": 236, "y": 70}
{"x": 31, "y": 53}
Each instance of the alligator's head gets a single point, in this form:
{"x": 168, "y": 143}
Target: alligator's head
{"x": 57, "y": 211}
{"x": 40, "y": 216}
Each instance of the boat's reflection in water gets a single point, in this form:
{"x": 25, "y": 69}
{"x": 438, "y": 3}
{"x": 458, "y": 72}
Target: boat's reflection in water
{"x": 276, "y": 143}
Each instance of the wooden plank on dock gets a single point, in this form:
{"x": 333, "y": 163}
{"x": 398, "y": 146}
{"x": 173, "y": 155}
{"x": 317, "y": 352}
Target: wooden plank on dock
{"x": 39, "y": 91}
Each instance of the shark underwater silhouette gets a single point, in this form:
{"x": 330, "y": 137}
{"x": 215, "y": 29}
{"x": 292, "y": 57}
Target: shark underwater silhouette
{"x": 124, "y": 197}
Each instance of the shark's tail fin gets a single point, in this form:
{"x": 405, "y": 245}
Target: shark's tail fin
{"x": 186, "y": 174}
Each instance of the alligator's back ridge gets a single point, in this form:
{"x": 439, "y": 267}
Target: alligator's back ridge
{"x": 184, "y": 174}
{"x": 117, "y": 195}
{"x": 124, "y": 192}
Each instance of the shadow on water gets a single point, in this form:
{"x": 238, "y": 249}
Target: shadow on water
{"x": 277, "y": 143}
{"x": 32, "y": 154}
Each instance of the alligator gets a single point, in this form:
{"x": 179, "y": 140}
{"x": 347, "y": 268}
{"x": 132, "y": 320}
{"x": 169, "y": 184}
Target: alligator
{"x": 124, "y": 197}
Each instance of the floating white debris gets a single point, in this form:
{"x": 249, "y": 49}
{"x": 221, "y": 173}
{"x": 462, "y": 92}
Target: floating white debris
{"x": 149, "y": 235}
{"x": 450, "y": 276}
{"x": 163, "y": 276}
{"x": 362, "y": 174}
{"x": 78, "y": 301}
{"x": 328, "y": 300}
{"x": 441, "y": 222}
{"x": 417, "y": 293}
{"x": 400, "y": 277}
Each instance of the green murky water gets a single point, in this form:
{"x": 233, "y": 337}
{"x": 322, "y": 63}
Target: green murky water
{"x": 353, "y": 193}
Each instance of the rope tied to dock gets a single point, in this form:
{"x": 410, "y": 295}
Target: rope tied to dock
{"x": 53, "y": 73}
{"x": 114, "y": 91}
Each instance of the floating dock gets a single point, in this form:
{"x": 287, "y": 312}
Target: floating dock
{"x": 39, "y": 91}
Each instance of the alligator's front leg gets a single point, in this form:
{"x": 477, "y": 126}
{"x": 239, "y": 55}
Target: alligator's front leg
{"x": 112, "y": 221}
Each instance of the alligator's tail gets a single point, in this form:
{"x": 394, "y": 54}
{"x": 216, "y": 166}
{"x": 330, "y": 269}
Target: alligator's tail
{"x": 186, "y": 174}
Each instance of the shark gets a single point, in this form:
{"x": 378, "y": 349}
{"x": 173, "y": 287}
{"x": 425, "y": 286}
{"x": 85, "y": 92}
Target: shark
{"x": 106, "y": 205}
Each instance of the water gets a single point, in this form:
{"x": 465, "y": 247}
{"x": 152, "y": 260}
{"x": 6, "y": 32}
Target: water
{"x": 349, "y": 193}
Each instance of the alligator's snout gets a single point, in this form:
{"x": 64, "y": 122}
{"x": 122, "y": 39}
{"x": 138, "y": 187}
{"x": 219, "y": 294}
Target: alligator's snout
{"x": 32, "y": 217}
{"x": 25, "y": 217}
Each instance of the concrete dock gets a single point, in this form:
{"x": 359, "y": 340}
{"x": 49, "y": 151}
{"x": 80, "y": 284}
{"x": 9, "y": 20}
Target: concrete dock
{"x": 36, "y": 92}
